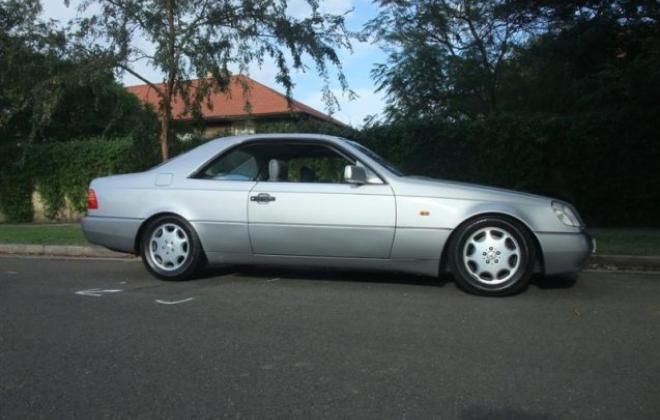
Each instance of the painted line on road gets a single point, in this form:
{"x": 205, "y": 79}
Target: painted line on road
{"x": 174, "y": 302}
{"x": 97, "y": 292}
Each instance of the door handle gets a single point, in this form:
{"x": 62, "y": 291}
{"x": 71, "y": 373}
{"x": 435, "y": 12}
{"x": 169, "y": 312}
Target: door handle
{"x": 262, "y": 198}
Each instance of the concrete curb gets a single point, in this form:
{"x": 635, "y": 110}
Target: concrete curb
{"x": 595, "y": 262}
{"x": 61, "y": 251}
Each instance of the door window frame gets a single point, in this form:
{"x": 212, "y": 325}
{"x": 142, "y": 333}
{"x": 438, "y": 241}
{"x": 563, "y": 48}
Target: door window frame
{"x": 334, "y": 147}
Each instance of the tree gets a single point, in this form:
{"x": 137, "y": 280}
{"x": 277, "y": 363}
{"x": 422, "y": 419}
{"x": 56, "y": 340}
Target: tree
{"x": 30, "y": 52}
{"x": 445, "y": 57}
{"x": 192, "y": 38}
{"x": 47, "y": 94}
{"x": 471, "y": 59}
{"x": 596, "y": 57}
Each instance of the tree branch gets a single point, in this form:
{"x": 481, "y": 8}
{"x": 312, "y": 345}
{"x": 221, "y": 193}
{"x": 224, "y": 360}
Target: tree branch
{"x": 158, "y": 90}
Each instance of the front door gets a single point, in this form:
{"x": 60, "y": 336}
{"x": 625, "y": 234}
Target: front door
{"x": 303, "y": 207}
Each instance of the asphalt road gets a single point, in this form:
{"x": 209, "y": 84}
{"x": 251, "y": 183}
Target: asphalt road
{"x": 263, "y": 343}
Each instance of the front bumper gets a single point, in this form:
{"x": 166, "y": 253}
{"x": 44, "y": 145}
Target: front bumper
{"x": 113, "y": 233}
{"x": 565, "y": 252}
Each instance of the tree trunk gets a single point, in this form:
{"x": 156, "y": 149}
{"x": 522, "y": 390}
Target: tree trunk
{"x": 166, "y": 101}
{"x": 164, "y": 135}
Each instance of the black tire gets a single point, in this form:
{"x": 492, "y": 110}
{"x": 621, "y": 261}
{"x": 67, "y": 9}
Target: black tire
{"x": 511, "y": 276}
{"x": 184, "y": 268}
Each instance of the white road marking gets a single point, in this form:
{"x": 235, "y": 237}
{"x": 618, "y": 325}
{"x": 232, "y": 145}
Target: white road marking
{"x": 275, "y": 279}
{"x": 174, "y": 302}
{"x": 11, "y": 272}
{"x": 97, "y": 292}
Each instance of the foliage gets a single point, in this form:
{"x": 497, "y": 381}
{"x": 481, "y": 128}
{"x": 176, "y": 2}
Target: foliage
{"x": 593, "y": 65}
{"x": 558, "y": 97}
{"x": 61, "y": 172}
{"x": 445, "y": 57}
{"x": 570, "y": 158}
{"x": 198, "y": 38}
{"x": 65, "y": 169}
{"x": 470, "y": 59}
{"x": 29, "y": 53}
{"x": 16, "y": 196}
{"x": 306, "y": 126}
{"x": 46, "y": 94}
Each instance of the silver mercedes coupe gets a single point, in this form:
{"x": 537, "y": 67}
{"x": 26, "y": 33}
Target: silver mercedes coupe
{"x": 323, "y": 201}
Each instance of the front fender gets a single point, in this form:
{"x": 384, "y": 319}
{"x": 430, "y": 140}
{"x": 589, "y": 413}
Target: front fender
{"x": 478, "y": 209}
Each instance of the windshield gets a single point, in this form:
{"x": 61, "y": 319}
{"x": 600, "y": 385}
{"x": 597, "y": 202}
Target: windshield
{"x": 371, "y": 154}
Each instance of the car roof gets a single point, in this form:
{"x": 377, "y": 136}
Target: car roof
{"x": 278, "y": 136}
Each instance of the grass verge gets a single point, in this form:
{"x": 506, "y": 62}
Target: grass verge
{"x": 42, "y": 234}
{"x": 627, "y": 242}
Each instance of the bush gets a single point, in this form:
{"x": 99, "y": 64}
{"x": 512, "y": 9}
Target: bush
{"x": 15, "y": 188}
{"x": 64, "y": 170}
{"x": 305, "y": 126}
{"x": 61, "y": 172}
{"x": 604, "y": 165}
{"x": 608, "y": 168}
{"x": 16, "y": 198}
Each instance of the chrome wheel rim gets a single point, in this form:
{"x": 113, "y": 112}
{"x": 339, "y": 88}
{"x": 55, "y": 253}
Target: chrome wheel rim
{"x": 169, "y": 247}
{"x": 491, "y": 255}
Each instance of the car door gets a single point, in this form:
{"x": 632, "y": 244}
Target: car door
{"x": 310, "y": 211}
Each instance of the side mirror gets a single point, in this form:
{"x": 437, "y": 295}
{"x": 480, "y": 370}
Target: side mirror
{"x": 355, "y": 174}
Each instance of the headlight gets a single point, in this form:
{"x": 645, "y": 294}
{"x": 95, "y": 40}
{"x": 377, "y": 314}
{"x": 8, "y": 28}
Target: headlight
{"x": 565, "y": 214}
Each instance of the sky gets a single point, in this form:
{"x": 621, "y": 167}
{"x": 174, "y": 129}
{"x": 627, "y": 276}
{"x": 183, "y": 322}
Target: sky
{"x": 356, "y": 64}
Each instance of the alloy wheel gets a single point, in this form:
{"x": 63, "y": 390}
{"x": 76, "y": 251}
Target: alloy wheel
{"x": 169, "y": 247}
{"x": 491, "y": 255}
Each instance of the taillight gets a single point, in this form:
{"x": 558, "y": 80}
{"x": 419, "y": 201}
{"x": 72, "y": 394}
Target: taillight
{"x": 92, "y": 202}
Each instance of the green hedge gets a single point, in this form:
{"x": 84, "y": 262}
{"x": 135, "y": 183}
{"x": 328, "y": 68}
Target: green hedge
{"x": 608, "y": 168}
{"x": 15, "y": 185}
{"x": 61, "y": 171}
{"x": 65, "y": 169}
{"x": 16, "y": 197}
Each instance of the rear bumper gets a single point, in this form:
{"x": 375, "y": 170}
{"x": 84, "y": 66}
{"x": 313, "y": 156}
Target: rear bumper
{"x": 565, "y": 252}
{"x": 114, "y": 233}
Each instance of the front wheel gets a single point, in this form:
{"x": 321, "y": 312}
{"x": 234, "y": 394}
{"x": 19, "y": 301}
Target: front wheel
{"x": 492, "y": 256}
{"x": 171, "y": 249}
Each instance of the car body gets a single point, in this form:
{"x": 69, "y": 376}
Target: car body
{"x": 379, "y": 220}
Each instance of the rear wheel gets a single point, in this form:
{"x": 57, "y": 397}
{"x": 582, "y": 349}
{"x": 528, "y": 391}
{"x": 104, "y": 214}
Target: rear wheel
{"x": 171, "y": 249}
{"x": 492, "y": 256}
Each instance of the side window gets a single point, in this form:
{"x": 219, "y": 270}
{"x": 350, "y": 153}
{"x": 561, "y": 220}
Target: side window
{"x": 281, "y": 161}
{"x": 237, "y": 165}
{"x": 321, "y": 169}
{"x": 306, "y": 163}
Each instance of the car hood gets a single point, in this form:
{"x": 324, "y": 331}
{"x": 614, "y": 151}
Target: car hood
{"x": 431, "y": 187}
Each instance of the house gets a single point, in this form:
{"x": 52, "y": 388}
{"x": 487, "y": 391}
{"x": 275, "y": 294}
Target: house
{"x": 230, "y": 114}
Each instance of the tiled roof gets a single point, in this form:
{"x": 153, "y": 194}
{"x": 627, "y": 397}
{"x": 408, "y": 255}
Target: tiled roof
{"x": 263, "y": 100}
